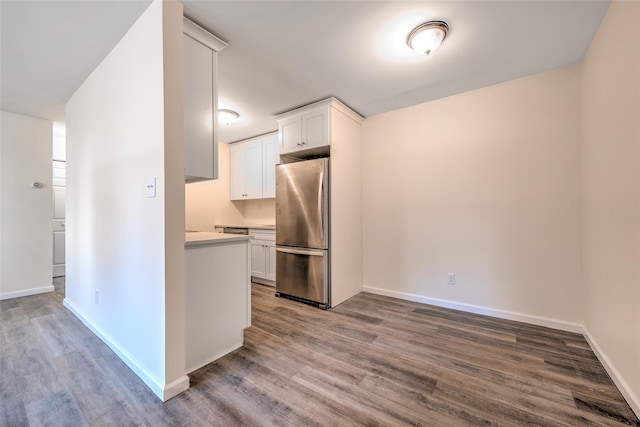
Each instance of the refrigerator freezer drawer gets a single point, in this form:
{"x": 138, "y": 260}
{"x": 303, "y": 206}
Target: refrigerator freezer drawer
{"x": 305, "y": 274}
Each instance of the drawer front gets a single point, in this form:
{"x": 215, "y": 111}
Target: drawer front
{"x": 303, "y": 274}
{"x": 263, "y": 234}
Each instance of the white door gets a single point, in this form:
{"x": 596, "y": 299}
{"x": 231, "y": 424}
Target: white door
{"x": 59, "y": 192}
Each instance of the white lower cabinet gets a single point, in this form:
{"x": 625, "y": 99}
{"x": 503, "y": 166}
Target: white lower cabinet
{"x": 271, "y": 259}
{"x": 263, "y": 256}
{"x": 258, "y": 259}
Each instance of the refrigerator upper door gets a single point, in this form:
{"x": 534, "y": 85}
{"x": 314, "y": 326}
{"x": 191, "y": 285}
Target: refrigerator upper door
{"x": 302, "y": 204}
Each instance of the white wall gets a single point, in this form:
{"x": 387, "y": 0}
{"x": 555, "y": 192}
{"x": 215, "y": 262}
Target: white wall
{"x": 260, "y": 212}
{"x": 611, "y": 195}
{"x": 175, "y": 380}
{"x": 486, "y": 185}
{"x": 26, "y": 238}
{"x": 124, "y": 125}
{"x": 208, "y": 203}
{"x": 59, "y": 141}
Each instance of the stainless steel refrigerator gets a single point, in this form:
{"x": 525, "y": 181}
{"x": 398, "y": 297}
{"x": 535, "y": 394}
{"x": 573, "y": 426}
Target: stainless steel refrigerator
{"x": 302, "y": 231}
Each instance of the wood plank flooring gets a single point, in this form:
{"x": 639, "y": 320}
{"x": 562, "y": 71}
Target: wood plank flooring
{"x": 372, "y": 361}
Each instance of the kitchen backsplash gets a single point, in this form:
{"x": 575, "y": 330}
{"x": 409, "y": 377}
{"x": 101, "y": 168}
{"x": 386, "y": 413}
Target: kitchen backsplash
{"x": 262, "y": 211}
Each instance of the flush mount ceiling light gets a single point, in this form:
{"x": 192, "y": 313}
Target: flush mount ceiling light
{"x": 227, "y": 117}
{"x": 426, "y": 38}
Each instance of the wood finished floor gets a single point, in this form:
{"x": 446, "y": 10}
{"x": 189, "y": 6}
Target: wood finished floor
{"x": 372, "y": 361}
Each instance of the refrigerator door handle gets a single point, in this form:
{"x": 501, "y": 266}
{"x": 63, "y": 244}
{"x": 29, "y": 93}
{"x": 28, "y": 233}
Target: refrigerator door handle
{"x": 300, "y": 251}
{"x": 321, "y": 205}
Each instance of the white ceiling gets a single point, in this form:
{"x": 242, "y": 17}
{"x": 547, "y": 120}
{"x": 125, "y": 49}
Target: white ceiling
{"x": 284, "y": 54}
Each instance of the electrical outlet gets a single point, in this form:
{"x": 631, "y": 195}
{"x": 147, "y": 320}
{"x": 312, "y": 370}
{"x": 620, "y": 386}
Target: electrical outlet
{"x": 451, "y": 279}
{"x": 151, "y": 187}
{"x": 96, "y": 296}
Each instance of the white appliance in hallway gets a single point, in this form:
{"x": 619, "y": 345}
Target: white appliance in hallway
{"x": 59, "y": 190}
{"x": 59, "y": 151}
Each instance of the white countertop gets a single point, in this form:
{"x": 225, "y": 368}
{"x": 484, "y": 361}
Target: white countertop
{"x": 254, "y": 226}
{"x": 195, "y": 238}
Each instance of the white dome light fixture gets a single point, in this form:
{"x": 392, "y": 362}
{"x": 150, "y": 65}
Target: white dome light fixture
{"x": 427, "y": 37}
{"x": 227, "y": 117}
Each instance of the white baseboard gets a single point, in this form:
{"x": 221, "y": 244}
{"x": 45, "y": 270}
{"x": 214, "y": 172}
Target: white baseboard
{"x": 176, "y": 387}
{"x": 58, "y": 270}
{"x": 26, "y": 292}
{"x": 263, "y": 281}
{"x": 163, "y": 391}
{"x": 632, "y": 399}
{"x": 501, "y": 314}
{"x": 217, "y": 356}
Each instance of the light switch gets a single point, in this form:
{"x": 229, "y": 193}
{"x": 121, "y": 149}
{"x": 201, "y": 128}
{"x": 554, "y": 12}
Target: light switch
{"x": 151, "y": 187}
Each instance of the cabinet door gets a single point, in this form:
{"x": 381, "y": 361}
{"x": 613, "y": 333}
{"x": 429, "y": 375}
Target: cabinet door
{"x": 237, "y": 173}
{"x": 253, "y": 169}
{"x": 258, "y": 259}
{"x": 270, "y": 262}
{"x": 315, "y": 128}
{"x": 198, "y": 110}
{"x": 290, "y": 134}
{"x": 270, "y": 158}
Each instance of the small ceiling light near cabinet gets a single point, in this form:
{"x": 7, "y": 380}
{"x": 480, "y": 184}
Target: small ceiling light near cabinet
{"x": 227, "y": 117}
{"x": 426, "y": 38}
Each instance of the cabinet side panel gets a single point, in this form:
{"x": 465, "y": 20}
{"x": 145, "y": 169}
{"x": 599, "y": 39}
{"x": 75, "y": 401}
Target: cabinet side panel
{"x": 216, "y": 295}
{"x": 198, "y": 109}
{"x": 346, "y": 207}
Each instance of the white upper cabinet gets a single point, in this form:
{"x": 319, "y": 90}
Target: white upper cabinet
{"x": 237, "y": 172}
{"x": 252, "y": 167}
{"x": 270, "y": 158}
{"x": 304, "y": 130}
{"x": 253, "y": 170}
{"x": 309, "y": 127}
{"x": 290, "y": 130}
{"x": 200, "y": 50}
{"x": 246, "y": 170}
{"x": 315, "y": 128}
